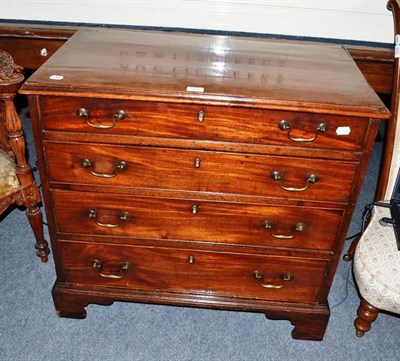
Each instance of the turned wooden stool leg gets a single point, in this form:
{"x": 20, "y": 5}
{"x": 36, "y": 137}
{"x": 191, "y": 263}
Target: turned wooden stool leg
{"x": 352, "y": 249}
{"x": 30, "y": 193}
{"x": 366, "y": 315}
{"x": 35, "y": 219}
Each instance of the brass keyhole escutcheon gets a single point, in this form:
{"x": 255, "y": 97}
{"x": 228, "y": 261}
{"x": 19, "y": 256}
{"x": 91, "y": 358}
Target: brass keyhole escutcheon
{"x": 197, "y": 163}
{"x": 200, "y": 116}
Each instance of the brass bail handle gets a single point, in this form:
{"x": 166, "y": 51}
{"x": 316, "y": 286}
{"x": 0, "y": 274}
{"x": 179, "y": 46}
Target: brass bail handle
{"x": 299, "y": 227}
{"x": 122, "y": 217}
{"x": 278, "y": 176}
{"x": 98, "y": 265}
{"x": 259, "y": 276}
{"x": 87, "y": 163}
{"x": 321, "y": 128}
{"x": 84, "y": 114}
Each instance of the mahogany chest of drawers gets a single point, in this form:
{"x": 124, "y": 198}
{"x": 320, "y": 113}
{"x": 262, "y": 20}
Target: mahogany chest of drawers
{"x": 200, "y": 170}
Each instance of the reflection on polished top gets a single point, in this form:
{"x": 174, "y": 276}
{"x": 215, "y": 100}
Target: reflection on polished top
{"x": 191, "y": 67}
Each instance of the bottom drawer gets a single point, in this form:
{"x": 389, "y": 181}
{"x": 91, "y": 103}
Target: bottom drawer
{"x": 196, "y": 272}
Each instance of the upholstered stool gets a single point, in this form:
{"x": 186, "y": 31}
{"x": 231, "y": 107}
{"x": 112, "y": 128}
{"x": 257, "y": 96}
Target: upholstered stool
{"x": 377, "y": 260}
{"x": 377, "y": 271}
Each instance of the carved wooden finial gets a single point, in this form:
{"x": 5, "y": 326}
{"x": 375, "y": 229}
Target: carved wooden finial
{"x": 11, "y": 75}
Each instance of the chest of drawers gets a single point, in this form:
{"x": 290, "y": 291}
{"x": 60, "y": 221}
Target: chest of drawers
{"x": 204, "y": 171}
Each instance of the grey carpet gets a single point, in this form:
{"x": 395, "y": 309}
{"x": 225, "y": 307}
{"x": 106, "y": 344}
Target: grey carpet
{"x": 30, "y": 329}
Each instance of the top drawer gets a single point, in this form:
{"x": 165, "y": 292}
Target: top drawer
{"x": 202, "y": 122}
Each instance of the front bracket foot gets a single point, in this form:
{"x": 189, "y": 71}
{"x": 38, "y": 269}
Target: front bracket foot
{"x": 72, "y": 305}
{"x": 308, "y": 325}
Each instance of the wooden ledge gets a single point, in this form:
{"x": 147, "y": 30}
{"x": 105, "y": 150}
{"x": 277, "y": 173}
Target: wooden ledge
{"x": 32, "y": 45}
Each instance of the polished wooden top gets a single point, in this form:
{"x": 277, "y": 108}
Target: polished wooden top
{"x": 207, "y": 68}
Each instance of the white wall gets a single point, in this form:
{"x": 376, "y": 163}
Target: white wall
{"x": 365, "y": 20}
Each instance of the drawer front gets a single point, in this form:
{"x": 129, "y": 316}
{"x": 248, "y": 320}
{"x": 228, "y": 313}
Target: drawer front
{"x": 191, "y": 170}
{"x": 194, "y": 220}
{"x": 195, "y": 272}
{"x": 30, "y": 53}
{"x": 198, "y": 122}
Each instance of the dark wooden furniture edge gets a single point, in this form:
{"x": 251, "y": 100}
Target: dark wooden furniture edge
{"x": 61, "y": 32}
{"x": 31, "y": 45}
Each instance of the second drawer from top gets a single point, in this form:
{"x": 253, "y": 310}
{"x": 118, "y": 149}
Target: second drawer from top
{"x": 200, "y": 171}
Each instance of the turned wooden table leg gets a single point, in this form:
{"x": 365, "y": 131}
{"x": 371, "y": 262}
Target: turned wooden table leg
{"x": 366, "y": 315}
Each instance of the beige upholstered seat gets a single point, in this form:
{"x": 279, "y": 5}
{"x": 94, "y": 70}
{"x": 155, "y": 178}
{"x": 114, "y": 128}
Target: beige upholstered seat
{"x": 17, "y": 185}
{"x": 377, "y": 259}
{"x": 8, "y": 177}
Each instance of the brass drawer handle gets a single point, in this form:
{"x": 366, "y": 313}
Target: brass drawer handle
{"x": 278, "y": 176}
{"x": 123, "y": 216}
{"x": 96, "y": 264}
{"x": 84, "y": 114}
{"x": 299, "y": 227}
{"x": 285, "y": 126}
{"x": 259, "y": 276}
{"x": 121, "y": 165}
